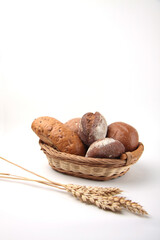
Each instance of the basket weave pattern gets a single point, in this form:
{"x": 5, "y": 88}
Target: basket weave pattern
{"x": 91, "y": 168}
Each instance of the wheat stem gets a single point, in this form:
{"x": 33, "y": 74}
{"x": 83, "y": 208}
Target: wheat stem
{"x": 55, "y": 183}
{"x": 15, "y": 177}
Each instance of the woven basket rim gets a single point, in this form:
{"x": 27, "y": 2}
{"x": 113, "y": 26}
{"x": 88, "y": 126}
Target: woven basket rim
{"x": 126, "y": 159}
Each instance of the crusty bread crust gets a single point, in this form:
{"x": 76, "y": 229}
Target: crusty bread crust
{"x": 56, "y": 134}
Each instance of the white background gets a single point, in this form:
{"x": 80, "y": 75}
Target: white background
{"x": 63, "y": 59}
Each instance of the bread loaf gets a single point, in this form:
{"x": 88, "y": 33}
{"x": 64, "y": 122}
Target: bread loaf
{"x": 92, "y": 127}
{"x": 56, "y": 134}
{"x": 105, "y": 148}
{"x": 125, "y": 133}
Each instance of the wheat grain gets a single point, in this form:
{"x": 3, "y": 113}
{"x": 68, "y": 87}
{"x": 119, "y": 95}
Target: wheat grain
{"x": 99, "y": 191}
{"x": 99, "y": 201}
{"x": 128, "y": 204}
{"x": 103, "y": 198}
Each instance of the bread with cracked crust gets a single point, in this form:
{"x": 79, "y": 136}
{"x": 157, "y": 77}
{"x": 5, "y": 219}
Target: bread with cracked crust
{"x": 56, "y": 134}
{"x": 92, "y": 127}
{"x": 105, "y": 148}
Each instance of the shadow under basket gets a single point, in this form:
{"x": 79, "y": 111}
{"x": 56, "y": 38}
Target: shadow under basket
{"x": 91, "y": 168}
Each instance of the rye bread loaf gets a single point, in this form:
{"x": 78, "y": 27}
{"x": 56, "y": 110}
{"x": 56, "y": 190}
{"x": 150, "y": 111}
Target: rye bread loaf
{"x": 56, "y": 134}
{"x": 105, "y": 148}
{"x": 93, "y": 127}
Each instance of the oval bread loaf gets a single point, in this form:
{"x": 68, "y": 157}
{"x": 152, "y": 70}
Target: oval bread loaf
{"x": 105, "y": 148}
{"x": 124, "y": 133}
{"x": 56, "y": 134}
{"x": 93, "y": 127}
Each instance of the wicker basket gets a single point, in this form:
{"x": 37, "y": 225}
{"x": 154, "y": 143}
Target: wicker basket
{"x": 91, "y": 168}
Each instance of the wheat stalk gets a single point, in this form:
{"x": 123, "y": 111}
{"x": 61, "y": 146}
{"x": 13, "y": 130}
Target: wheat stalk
{"x": 102, "y": 197}
{"x": 48, "y": 180}
{"x": 15, "y": 177}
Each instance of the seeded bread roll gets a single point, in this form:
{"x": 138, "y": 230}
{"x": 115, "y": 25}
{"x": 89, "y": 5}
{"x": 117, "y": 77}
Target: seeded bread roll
{"x": 125, "y": 133}
{"x": 73, "y": 124}
{"x": 56, "y": 134}
{"x": 105, "y": 148}
{"x": 92, "y": 127}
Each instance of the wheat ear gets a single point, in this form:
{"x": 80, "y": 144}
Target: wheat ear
{"x": 128, "y": 204}
{"x": 99, "y": 191}
{"x": 99, "y": 201}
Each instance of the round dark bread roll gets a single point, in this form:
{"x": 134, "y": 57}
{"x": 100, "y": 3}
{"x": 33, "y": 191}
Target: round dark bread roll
{"x": 105, "y": 148}
{"x": 56, "y": 134}
{"x": 125, "y": 133}
{"x": 92, "y": 127}
{"x": 73, "y": 124}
